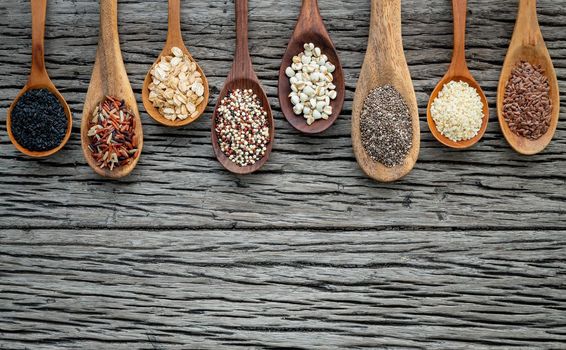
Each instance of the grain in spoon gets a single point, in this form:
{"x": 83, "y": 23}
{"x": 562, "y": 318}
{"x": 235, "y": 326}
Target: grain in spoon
{"x": 109, "y": 78}
{"x": 385, "y": 64}
{"x": 174, "y": 39}
{"x": 527, "y": 45}
{"x": 39, "y": 79}
{"x": 458, "y": 71}
{"x": 242, "y": 77}
{"x": 310, "y": 29}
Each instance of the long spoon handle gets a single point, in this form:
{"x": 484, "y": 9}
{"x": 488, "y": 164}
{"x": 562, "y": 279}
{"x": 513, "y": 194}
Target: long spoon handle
{"x": 385, "y": 38}
{"x": 242, "y": 55}
{"x": 174, "y": 31}
{"x": 109, "y": 55}
{"x": 528, "y": 19}
{"x": 38, "y": 10}
{"x": 310, "y": 13}
{"x": 459, "y": 8}
{"x": 108, "y": 22}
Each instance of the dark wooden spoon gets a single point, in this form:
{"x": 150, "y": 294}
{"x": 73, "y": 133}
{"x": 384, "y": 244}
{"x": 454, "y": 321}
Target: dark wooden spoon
{"x": 310, "y": 29}
{"x": 39, "y": 79}
{"x": 242, "y": 76}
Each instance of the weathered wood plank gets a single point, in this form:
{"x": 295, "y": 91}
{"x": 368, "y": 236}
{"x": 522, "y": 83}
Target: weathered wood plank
{"x": 282, "y": 289}
{"x": 310, "y": 182}
{"x": 448, "y": 267}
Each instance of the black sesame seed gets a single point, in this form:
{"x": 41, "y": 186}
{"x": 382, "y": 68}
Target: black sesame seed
{"x": 38, "y": 121}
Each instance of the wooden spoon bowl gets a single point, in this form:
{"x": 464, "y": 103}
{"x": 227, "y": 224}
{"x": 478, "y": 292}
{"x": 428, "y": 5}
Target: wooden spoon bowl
{"x": 385, "y": 64}
{"x": 242, "y": 76}
{"x": 528, "y": 45}
{"x": 109, "y": 78}
{"x": 174, "y": 39}
{"x": 39, "y": 79}
{"x": 466, "y": 77}
{"x": 310, "y": 29}
{"x": 458, "y": 71}
{"x": 242, "y": 84}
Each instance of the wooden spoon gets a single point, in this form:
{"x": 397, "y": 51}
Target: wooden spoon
{"x": 174, "y": 39}
{"x": 109, "y": 78}
{"x": 458, "y": 71}
{"x": 39, "y": 79}
{"x": 528, "y": 45}
{"x": 385, "y": 64}
{"x": 310, "y": 29}
{"x": 242, "y": 76}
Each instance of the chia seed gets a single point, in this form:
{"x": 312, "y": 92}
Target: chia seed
{"x": 386, "y": 127}
{"x": 38, "y": 121}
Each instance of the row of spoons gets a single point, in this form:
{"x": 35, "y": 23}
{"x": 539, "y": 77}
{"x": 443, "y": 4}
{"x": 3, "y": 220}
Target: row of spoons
{"x": 384, "y": 64}
{"x": 527, "y": 44}
{"x": 309, "y": 28}
{"x": 109, "y": 78}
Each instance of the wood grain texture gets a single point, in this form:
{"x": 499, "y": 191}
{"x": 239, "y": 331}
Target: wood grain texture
{"x": 107, "y": 289}
{"x": 468, "y": 250}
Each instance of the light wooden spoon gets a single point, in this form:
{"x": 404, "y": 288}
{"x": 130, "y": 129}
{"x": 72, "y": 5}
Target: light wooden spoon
{"x": 385, "y": 64}
{"x": 310, "y": 29}
{"x": 242, "y": 76}
{"x": 458, "y": 71}
{"x": 39, "y": 79}
{"x": 174, "y": 39}
{"x": 109, "y": 78}
{"x": 528, "y": 45}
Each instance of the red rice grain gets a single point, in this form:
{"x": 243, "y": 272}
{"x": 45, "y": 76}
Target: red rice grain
{"x": 113, "y": 141}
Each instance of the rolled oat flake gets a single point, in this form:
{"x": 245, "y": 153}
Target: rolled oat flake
{"x": 386, "y": 127}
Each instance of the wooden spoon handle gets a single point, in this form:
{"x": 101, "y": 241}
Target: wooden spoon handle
{"x": 385, "y": 36}
{"x": 174, "y": 32}
{"x": 310, "y": 13}
{"x": 38, "y": 10}
{"x": 528, "y": 20}
{"x": 242, "y": 56}
{"x": 109, "y": 23}
{"x": 459, "y": 8}
{"x": 108, "y": 53}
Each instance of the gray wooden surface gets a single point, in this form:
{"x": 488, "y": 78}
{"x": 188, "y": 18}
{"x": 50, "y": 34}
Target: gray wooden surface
{"x": 467, "y": 252}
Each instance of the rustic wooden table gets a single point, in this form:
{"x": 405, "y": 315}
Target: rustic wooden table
{"x": 467, "y": 252}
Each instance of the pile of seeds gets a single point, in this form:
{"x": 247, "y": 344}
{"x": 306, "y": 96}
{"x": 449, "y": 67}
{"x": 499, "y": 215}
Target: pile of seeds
{"x": 311, "y": 80}
{"x": 112, "y": 133}
{"x": 177, "y": 88}
{"x": 38, "y": 121}
{"x": 386, "y": 126}
{"x": 527, "y": 107}
{"x": 457, "y": 111}
{"x": 242, "y": 127}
